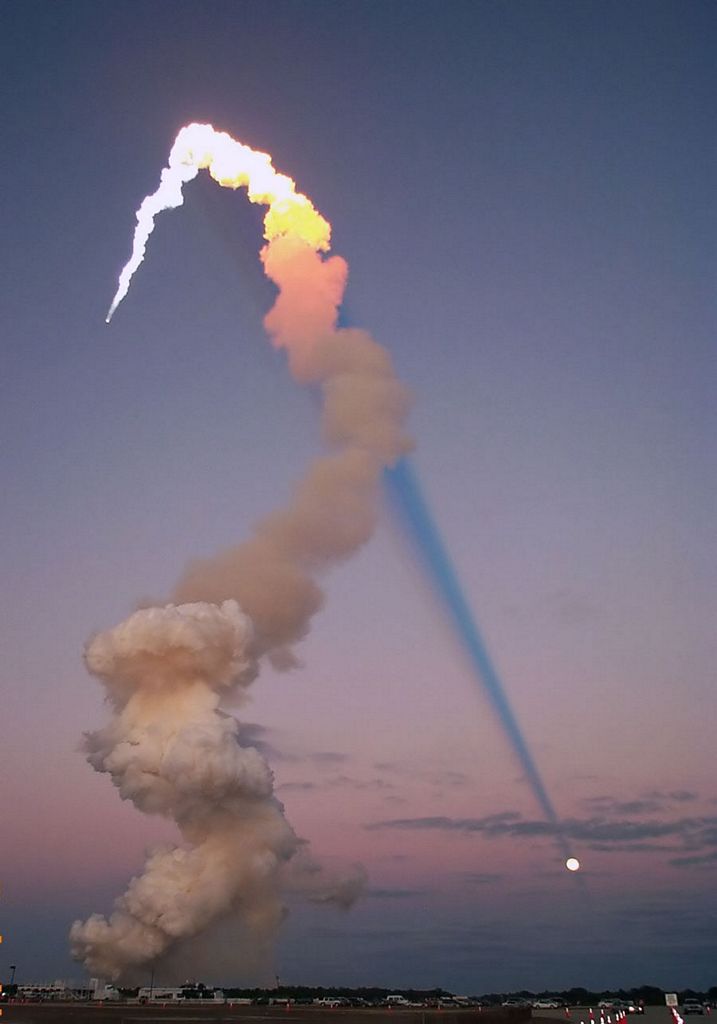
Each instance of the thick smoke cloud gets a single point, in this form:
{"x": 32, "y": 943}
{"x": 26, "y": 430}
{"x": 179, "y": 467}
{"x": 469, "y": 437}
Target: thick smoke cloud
{"x": 171, "y": 751}
{"x": 169, "y": 747}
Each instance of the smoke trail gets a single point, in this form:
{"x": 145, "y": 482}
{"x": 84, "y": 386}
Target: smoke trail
{"x": 408, "y": 496}
{"x": 169, "y": 748}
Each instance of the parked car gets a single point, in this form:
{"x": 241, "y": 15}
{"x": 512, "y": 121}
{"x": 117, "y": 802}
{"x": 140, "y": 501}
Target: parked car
{"x": 545, "y": 1004}
{"x": 627, "y": 1005}
{"x": 692, "y": 1006}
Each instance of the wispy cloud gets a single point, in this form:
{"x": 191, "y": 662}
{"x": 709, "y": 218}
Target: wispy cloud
{"x": 339, "y": 782}
{"x": 631, "y": 847}
{"x": 607, "y": 835}
{"x": 264, "y": 740}
{"x": 609, "y": 805}
{"x": 676, "y": 795}
{"x": 350, "y": 782}
{"x": 326, "y": 757}
{"x": 649, "y": 803}
{"x": 439, "y": 776}
{"x": 253, "y": 735}
{"x": 389, "y": 766}
{"x": 695, "y": 860}
{"x": 319, "y": 758}
{"x": 394, "y": 894}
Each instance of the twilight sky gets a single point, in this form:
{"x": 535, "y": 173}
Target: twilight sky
{"x": 525, "y": 197}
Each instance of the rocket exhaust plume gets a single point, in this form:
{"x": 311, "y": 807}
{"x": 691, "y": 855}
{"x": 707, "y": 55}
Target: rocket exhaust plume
{"x": 169, "y": 747}
{"x": 231, "y": 164}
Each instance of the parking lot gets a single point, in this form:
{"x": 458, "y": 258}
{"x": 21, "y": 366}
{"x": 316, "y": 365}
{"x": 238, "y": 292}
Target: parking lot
{"x": 581, "y": 1015}
{"x": 133, "y": 1013}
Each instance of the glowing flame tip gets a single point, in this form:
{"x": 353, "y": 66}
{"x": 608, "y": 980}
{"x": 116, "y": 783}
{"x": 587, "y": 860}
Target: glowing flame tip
{"x": 231, "y": 164}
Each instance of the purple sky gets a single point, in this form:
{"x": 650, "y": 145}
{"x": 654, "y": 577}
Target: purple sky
{"x": 525, "y": 196}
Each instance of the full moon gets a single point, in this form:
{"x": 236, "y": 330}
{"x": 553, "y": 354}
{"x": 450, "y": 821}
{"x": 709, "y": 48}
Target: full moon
{"x": 572, "y": 864}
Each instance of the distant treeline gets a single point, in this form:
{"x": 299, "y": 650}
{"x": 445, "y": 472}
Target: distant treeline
{"x": 650, "y": 995}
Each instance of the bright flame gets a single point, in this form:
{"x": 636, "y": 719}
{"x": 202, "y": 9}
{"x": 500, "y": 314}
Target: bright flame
{"x": 232, "y": 165}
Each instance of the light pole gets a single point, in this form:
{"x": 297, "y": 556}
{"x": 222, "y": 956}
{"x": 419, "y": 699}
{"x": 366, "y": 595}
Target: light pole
{"x": 12, "y": 974}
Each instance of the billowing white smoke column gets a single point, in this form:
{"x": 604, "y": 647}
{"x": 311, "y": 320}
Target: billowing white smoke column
{"x": 168, "y": 747}
{"x": 170, "y": 751}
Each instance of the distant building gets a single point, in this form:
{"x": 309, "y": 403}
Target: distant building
{"x": 157, "y": 993}
{"x": 46, "y": 991}
{"x": 188, "y": 991}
